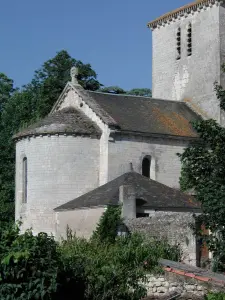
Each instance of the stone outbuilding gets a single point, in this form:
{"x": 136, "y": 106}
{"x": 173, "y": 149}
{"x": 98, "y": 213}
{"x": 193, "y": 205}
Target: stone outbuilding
{"x": 147, "y": 206}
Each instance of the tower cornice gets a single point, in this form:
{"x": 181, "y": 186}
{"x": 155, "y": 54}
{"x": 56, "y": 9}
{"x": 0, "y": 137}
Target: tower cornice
{"x": 183, "y": 11}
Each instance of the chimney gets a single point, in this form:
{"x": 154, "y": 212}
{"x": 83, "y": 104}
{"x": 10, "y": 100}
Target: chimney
{"x": 127, "y": 198}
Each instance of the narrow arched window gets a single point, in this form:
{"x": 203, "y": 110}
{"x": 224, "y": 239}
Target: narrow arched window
{"x": 24, "y": 180}
{"x": 146, "y": 165}
{"x": 178, "y": 43}
{"x": 189, "y": 40}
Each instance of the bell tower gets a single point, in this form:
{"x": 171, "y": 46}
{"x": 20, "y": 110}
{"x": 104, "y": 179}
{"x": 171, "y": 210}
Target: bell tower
{"x": 188, "y": 52}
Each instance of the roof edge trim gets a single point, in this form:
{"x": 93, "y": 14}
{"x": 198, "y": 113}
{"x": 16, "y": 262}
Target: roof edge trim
{"x": 183, "y": 11}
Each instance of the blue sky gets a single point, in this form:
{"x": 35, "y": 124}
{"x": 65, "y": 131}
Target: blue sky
{"x": 110, "y": 35}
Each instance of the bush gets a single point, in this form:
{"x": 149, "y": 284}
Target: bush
{"x": 115, "y": 271}
{"x": 37, "y": 267}
{"x": 106, "y": 230}
{"x": 31, "y": 268}
{"x": 29, "y": 265}
{"x": 215, "y": 296}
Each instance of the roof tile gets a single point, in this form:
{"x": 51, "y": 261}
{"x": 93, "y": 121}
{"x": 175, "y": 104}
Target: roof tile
{"x": 148, "y": 115}
{"x": 65, "y": 121}
{"x": 155, "y": 195}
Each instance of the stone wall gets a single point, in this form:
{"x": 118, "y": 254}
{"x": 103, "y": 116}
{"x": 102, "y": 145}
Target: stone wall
{"x": 191, "y": 77}
{"x": 81, "y": 221}
{"x": 72, "y": 98}
{"x": 60, "y": 168}
{"x": 186, "y": 281}
{"x": 173, "y": 226}
{"x": 165, "y": 164}
{"x": 167, "y": 284}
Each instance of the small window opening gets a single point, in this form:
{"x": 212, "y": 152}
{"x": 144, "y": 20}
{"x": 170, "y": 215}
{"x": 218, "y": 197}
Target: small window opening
{"x": 142, "y": 215}
{"x": 178, "y": 43}
{"x": 189, "y": 40}
{"x": 24, "y": 180}
{"x": 146, "y": 164}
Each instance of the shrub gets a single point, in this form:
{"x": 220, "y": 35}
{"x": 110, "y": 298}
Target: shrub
{"x": 215, "y": 296}
{"x": 114, "y": 271}
{"x": 106, "y": 230}
{"x": 37, "y": 267}
{"x": 31, "y": 268}
{"x": 29, "y": 265}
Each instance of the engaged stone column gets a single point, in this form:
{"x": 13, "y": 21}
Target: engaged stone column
{"x": 127, "y": 198}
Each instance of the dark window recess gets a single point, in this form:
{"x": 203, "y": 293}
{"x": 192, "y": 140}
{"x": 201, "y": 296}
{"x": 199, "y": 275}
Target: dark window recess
{"x": 24, "y": 180}
{"x": 146, "y": 164}
{"x": 189, "y": 40}
{"x": 142, "y": 215}
{"x": 178, "y": 43}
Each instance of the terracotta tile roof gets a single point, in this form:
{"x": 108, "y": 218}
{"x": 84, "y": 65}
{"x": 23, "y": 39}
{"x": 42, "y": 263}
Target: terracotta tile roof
{"x": 183, "y": 9}
{"x": 193, "y": 272}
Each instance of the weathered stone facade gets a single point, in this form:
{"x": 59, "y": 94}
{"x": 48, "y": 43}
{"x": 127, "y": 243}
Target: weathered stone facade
{"x": 59, "y": 169}
{"x": 165, "y": 164}
{"x": 191, "y": 78}
{"x": 81, "y": 221}
{"x": 172, "y": 226}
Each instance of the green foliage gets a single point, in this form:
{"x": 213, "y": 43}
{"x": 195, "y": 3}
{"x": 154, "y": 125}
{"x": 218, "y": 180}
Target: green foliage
{"x": 145, "y": 92}
{"x": 215, "y": 296}
{"x": 31, "y": 267}
{"x": 115, "y": 271}
{"x": 112, "y": 90}
{"x": 50, "y": 80}
{"x": 6, "y": 155}
{"x": 6, "y": 89}
{"x": 106, "y": 230}
{"x": 37, "y": 267}
{"x": 203, "y": 170}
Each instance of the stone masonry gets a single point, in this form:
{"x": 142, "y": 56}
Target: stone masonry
{"x": 59, "y": 169}
{"x": 172, "y": 226}
{"x": 191, "y": 78}
{"x": 185, "y": 281}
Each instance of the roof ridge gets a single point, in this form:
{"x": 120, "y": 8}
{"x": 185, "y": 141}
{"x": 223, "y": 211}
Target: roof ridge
{"x": 182, "y": 11}
{"x": 134, "y": 96}
{"x": 156, "y": 194}
{"x": 119, "y": 95}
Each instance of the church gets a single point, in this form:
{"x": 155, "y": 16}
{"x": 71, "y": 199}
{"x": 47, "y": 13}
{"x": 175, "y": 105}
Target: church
{"x": 95, "y": 149}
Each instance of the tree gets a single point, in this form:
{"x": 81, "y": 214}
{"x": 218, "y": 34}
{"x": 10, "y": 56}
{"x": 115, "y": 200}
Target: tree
{"x": 107, "y": 227}
{"x": 112, "y": 90}
{"x": 50, "y": 80}
{"x": 6, "y": 89}
{"x": 145, "y": 92}
{"x": 203, "y": 170}
{"x": 6, "y": 185}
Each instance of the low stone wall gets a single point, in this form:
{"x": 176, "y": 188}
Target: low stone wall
{"x": 183, "y": 280}
{"x": 160, "y": 286}
{"x": 173, "y": 226}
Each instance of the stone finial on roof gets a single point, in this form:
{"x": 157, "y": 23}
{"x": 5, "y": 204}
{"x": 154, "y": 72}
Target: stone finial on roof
{"x": 74, "y": 74}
